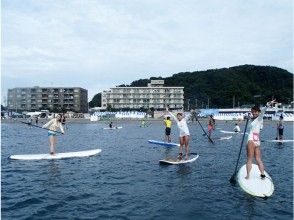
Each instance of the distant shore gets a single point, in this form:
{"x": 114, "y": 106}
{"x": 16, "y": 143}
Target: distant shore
{"x": 87, "y": 121}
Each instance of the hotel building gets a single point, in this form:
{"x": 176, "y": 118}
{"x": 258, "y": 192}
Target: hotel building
{"x": 155, "y": 95}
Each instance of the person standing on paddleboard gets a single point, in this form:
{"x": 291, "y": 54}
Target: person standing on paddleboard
{"x": 184, "y": 133}
{"x": 211, "y": 125}
{"x": 168, "y": 124}
{"x": 280, "y": 129}
{"x": 53, "y": 124}
{"x": 253, "y": 142}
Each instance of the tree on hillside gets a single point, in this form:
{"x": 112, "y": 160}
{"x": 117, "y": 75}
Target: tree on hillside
{"x": 96, "y": 101}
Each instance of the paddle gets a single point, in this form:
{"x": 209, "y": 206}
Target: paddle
{"x": 233, "y": 177}
{"x": 40, "y": 127}
{"x": 194, "y": 113}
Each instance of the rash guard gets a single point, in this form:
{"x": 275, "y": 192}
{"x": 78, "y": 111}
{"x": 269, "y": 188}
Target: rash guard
{"x": 255, "y": 128}
{"x": 182, "y": 126}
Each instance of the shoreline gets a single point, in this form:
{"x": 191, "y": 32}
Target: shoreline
{"x": 87, "y": 121}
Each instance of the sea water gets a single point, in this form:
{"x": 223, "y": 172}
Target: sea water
{"x": 125, "y": 181}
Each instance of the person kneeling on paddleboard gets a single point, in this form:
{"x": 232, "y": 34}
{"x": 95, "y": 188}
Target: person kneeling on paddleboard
{"x": 53, "y": 124}
{"x": 184, "y": 133}
{"x": 237, "y": 128}
{"x": 253, "y": 142}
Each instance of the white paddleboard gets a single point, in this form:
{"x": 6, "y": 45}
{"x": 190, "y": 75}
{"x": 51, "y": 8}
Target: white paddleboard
{"x": 173, "y": 161}
{"x": 225, "y": 138}
{"x": 56, "y": 156}
{"x": 113, "y": 128}
{"x": 167, "y": 144}
{"x": 232, "y": 132}
{"x": 255, "y": 185}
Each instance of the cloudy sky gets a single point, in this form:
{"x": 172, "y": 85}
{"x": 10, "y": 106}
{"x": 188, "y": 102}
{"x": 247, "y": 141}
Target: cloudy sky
{"x": 97, "y": 44}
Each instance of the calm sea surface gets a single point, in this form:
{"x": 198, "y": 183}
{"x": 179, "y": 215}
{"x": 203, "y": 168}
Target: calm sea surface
{"x": 125, "y": 180}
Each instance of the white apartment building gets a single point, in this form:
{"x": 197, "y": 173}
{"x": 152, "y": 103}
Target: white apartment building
{"x": 155, "y": 95}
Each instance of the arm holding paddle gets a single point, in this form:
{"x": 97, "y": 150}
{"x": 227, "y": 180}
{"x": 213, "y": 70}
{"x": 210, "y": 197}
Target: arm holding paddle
{"x": 53, "y": 125}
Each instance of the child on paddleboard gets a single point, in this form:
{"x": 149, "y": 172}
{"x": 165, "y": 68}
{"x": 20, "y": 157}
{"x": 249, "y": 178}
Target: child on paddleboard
{"x": 168, "y": 124}
{"x": 184, "y": 133}
{"x": 253, "y": 142}
{"x": 53, "y": 124}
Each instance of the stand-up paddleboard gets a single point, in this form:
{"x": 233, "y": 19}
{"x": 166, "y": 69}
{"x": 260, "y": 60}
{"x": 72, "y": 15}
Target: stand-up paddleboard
{"x": 278, "y": 141}
{"x": 232, "y": 132}
{"x": 174, "y": 161}
{"x": 224, "y": 138}
{"x": 56, "y": 156}
{"x": 167, "y": 144}
{"x": 255, "y": 185}
{"x": 113, "y": 128}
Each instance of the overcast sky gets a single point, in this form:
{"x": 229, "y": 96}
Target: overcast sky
{"x": 99, "y": 44}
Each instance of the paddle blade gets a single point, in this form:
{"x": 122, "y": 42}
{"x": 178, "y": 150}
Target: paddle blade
{"x": 233, "y": 179}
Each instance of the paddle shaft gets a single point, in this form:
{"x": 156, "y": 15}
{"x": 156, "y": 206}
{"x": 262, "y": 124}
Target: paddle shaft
{"x": 234, "y": 174}
{"x": 203, "y": 129}
{"x": 40, "y": 127}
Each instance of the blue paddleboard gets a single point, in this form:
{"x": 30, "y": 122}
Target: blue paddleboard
{"x": 164, "y": 143}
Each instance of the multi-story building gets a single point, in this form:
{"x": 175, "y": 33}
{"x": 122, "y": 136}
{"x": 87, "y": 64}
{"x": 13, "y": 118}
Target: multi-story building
{"x": 49, "y": 98}
{"x": 155, "y": 95}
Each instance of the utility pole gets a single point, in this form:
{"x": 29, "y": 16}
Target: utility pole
{"x": 208, "y": 102}
{"x": 188, "y": 104}
{"x": 233, "y": 101}
{"x": 196, "y": 104}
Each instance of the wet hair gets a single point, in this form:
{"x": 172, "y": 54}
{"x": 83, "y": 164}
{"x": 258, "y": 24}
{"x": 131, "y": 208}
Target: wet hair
{"x": 255, "y": 108}
{"x": 180, "y": 114}
{"x": 236, "y": 124}
{"x": 167, "y": 117}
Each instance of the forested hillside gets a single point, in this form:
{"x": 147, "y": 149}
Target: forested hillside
{"x": 222, "y": 88}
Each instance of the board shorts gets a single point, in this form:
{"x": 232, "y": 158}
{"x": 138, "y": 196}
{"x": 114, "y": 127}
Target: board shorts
{"x": 167, "y": 131}
{"x": 51, "y": 133}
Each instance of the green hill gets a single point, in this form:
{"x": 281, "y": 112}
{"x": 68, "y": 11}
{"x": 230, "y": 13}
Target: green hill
{"x": 243, "y": 85}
